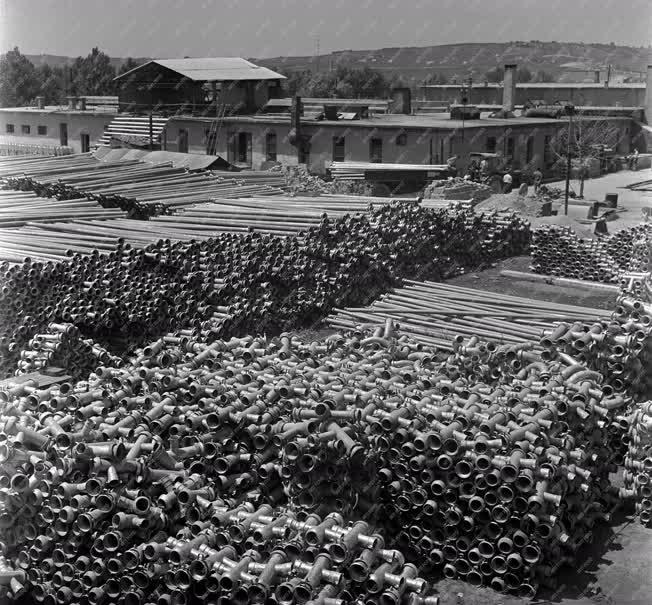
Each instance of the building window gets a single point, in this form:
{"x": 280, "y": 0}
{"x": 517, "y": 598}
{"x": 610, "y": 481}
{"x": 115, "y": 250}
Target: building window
{"x": 270, "y": 146}
{"x": 401, "y": 140}
{"x": 491, "y": 144}
{"x": 338, "y": 149}
{"x": 25, "y": 128}
{"x": 376, "y": 150}
{"x": 510, "y": 148}
{"x": 529, "y": 150}
{"x": 10, "y": 129}
{"x": 42, "y": 130}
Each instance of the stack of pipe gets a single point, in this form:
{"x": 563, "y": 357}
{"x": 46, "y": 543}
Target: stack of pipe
{"x": 559, "y": 251}
{"x": 140, "y": 188}
{"x": 362, "y": 170}
{"x": 638, "y": 461}
{"x": 250, "y": 282}
{"x": 198, "y": 467}
{"x": 61, "y": 346}
{"x": 434, "y": 313}
{"x": 20, "y": 208}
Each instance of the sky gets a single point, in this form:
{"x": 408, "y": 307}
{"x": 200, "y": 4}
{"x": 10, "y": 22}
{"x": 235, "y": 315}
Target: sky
{"x": 268, "y": 28}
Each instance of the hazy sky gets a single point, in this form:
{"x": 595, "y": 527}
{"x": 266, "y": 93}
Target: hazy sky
{"x": 264, "y": 28}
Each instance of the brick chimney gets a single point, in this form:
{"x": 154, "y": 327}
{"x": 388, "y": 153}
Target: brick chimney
{"x": 648, "y": 95}
{"x": 509, "y": 88}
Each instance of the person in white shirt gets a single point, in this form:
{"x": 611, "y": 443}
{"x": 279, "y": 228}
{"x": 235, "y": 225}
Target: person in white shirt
{"x": 507, "y": 182}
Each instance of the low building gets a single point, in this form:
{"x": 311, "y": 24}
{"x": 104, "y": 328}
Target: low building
{"x": 247, "y": 124}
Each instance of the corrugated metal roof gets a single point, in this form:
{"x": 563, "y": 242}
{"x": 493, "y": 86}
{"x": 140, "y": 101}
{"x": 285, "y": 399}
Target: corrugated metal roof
{"x": 214, "y": 69}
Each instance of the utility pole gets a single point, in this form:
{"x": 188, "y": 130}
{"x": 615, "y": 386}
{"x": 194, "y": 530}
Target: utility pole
{"x": 570, "y": 110}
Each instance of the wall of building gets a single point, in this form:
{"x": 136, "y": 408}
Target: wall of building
{"x": 88, "y": 123}
{"x": 598, "y": 95}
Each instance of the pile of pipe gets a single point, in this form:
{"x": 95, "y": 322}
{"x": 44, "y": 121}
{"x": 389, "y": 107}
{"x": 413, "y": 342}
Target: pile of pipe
{"x": 435, "y": 313}
{"x": 299, "y": 180}
{"x": 61, "y": 347}
{"x": 140, "y": 188}
{"x": 19, "y": 208}
{"x": 560, "y": 252}
{"x": 256, "y": 468}
{"x": 249, "y": 283}
{"x": 637, "y": 476}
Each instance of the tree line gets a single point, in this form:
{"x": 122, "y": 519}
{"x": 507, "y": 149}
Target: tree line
{"x": 21, "y": 81}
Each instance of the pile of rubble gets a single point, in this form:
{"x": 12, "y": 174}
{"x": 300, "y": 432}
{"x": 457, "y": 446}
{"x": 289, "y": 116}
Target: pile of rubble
{"x": 457, "y": 189}
{"x": 299, "y": 180}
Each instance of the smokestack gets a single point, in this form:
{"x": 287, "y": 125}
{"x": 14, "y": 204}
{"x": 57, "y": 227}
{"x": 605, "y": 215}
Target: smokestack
{"x": 509, "y": 88}
{"x": 596, "y": 76}
{"x": 40, "y": 102}
{"x": 648, "y": 95}
{"x": 402, "y": 100}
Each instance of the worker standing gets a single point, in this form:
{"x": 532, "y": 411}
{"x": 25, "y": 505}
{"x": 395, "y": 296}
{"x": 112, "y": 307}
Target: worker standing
{"x": 507, "y": 182}
{"x": 537, "y": 179}
{"x": 634, "y": 159}
{"x": 484, "y": 169}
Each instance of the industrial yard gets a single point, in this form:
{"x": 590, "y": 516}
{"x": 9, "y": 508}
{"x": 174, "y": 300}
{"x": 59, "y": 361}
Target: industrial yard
{"x": 384, "y": 345}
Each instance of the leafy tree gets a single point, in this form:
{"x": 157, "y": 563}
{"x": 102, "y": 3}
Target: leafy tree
{"x": 543, "y": 76}
{"x": 436, "y": 78}
{"x": 51, "y": 83}
{"x": 93, "y": 74}
{"x": 345, "y": 82}
{"x": 523, "y": 74}
{"x": 18, "y": 79}
{"x": 495, "y": 75}
{"x": 586, "y": 138}
{"x": 128, "y": 65}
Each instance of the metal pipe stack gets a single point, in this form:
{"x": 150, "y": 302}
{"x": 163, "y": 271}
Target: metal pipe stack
{"x": 436, "y": 313}
{"x": 250, "y": 282}
{"x": 139, "y": 188}
{"x": 210, "y": 468}
{"x": 18, "y": 209}
{"x": 560, "y": 252}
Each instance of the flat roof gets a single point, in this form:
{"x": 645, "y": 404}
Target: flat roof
{"x": 416, "y": 121}
{"x": 93, "y": 110}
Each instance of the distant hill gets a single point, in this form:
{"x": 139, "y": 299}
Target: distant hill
{"x": 561, "y": 59}
{"x": 62, "y": 61}
{"x": 569, "y": 61}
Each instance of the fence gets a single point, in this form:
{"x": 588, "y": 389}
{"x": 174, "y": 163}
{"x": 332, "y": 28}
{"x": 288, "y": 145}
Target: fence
{"x": 22, "y": 149}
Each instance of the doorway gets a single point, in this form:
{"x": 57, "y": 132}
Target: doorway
{"x": 182, "y": 141}
{"x": 63, "y": 134}
{"x": 85, "y": 143}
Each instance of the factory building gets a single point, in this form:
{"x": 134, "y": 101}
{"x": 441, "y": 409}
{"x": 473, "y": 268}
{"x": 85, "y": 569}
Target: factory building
{"x": 234, "y": 109}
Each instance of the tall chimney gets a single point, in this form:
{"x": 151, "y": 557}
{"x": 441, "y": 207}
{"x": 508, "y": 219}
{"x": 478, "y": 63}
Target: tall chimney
{"x": 648, "y": 95}
{"x": 40, "y": 102}
{"x": 509, "y": 88}
{"x": 596, "y": 76}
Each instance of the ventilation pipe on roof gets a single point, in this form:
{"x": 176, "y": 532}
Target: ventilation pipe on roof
{"x": 509, "y": 88}
{"x": 40, "y": 102}
{"x": 648, "y": 95}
